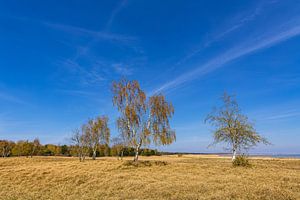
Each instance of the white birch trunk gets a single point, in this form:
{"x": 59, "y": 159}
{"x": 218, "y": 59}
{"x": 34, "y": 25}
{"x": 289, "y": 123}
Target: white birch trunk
{"x": 94, "y": 154}
{"x": 136, "y": 157}
{"x": 233, "y": 155}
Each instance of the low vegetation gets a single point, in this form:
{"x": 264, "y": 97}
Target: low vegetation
{"x": 241, "y": 161}
{"x": 186, "y": 177}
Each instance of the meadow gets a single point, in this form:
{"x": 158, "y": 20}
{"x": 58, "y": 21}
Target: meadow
{"x": 142, "y": 122}
{"x": 162, "y": 177}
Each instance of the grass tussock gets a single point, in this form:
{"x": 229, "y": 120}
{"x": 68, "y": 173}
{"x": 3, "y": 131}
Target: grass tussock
{"x": 241, "y": 161}
{"x": 179, "y": 155}
{"x": 188, "y": 177}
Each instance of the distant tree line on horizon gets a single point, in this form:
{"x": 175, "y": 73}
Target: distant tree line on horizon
{"x": 29, "y": 148}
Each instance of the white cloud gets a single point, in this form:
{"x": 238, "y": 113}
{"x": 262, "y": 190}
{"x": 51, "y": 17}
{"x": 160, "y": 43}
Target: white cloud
{"x": 115, "y": 12}
{"x": 84, "y": 75}
{"x": 234, "y": 24}
{"x": 98, "y": 35}
{"x": 122, "y": 69}
{"x": 12, "y": 99}
{"x": 250, "y": 46}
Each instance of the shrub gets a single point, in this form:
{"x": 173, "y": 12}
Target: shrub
{"x": 179, "y": 155}
{"x": 241, "y": 161}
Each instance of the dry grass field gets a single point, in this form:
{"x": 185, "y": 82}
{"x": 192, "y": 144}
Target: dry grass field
{"x": 187, "y": 177}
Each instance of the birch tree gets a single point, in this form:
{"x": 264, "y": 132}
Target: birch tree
{"x": 142, "y": 120}
{"x": 6, "y": 148}
{"x": 80, "y": 143}
{"x": 97, "y": 132}
{"x": 19, "y": 148}
{"x": 232, "y": 127}
{"x": 118, "y": 145}
{"x": 34, "y": 147}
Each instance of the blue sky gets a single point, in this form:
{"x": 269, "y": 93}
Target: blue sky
{"x": 58, "y": 59}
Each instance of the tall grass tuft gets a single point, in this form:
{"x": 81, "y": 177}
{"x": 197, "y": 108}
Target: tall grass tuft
{"x": 241, "y": 161}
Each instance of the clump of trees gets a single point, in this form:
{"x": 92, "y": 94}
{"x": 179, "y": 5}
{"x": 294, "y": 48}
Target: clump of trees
{"x": 97, "y": 132}
{"x": 80, "y": 144}
{"x": 233, "y": 128}
{"x": 118, "y": 147}
{"x": 23, "y": 148}
{"x": 6, "y": 148}
{"x": 142, "y": 120}
{"x": 31, "y": 148}
{"x": 91, "y": 135}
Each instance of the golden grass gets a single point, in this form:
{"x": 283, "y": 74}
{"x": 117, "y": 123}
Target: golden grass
{"x": 187, "y": 177}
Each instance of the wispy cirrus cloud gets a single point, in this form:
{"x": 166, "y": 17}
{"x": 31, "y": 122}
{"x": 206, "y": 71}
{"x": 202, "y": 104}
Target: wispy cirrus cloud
{"x": 122, "y": 69}
{"x": 114, "y": 13}
{"x": 11, "y": 99}
{"x": 97, "y": 35}
{"x": 241, "y": 20}
{"x": 85, "y": 76}
{"x": 96, "y": 69}
{"x": 278, "y": 113}
{"x": 290, "y": 79}
{"x": 109, "y": 23}
{"x": 94, "y": 35}
{"x": 285, "y": 115}
{"x": 234, "y": 24}
{"x": 284, "y": 32}
{"x": 76, "y": 92}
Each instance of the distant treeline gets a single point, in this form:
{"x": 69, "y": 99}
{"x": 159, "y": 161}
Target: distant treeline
{"x": 35, "y": 148}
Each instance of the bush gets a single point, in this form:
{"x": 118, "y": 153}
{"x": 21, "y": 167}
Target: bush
{"x": 241, "y": 161}
{"x": 179, "y": 155}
